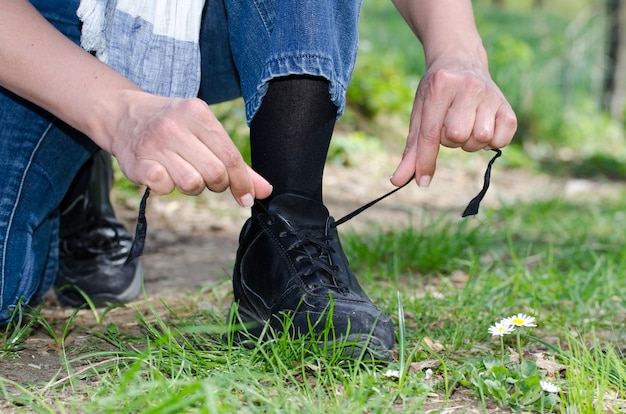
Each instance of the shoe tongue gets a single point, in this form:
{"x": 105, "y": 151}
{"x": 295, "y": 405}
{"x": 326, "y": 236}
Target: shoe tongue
{"x": 299, "y": 211}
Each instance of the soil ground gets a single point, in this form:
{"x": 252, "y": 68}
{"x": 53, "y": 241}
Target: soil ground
{"x": 191, "y": 243}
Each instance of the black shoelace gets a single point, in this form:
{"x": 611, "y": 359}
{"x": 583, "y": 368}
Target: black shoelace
{"x": 316, "y": 251}
{"x": 471, "y": 209}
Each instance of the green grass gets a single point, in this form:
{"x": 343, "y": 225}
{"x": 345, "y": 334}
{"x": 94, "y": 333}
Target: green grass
{"x": 447, "y": 282}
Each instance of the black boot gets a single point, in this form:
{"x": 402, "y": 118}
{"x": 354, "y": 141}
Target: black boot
{"x": 290, "y": 262}
{"x": 93, "y": 243}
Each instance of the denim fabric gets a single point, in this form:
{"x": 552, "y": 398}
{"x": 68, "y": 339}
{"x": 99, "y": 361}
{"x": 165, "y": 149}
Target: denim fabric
{"x": 39, "y": 157}
{"x": 39, "y": 160}
{"x": 244, "y": 44}
{"x": 220, "y": 80}
{"x": 274, "y": 38}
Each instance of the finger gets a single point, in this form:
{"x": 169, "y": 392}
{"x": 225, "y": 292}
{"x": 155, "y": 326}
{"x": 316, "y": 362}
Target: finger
{"x": 241, "y": 184}
{"x": 459, "y": 122}
{"x": 228, "y": 167}
{"x": 192, "y": 166}
{"x": 429, "y": 139}
{"x": 262, "y": 188}
{"x": 187, "y": 178}
{"x": 505, "y": 127}
{"x": 236, "y": 171}
{"x": 208, "y": 158}
{"x": 152, "y": 174}
{"x": 406, "y": 168}
{"x": 483, "y": 131}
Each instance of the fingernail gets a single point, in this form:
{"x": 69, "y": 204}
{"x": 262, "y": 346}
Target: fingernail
{"x": 247, "y": 200}
{"x": 424, "y": 182}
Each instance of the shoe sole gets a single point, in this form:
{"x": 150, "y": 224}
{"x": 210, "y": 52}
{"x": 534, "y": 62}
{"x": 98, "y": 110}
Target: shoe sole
{"x": 360, "y": 346}
{"x": 104, "y": 299}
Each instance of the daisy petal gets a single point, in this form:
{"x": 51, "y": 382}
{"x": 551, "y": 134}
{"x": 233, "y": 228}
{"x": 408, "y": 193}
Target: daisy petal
{"x": 521, "y": 320}
{"x": 501, "y": 328}
{"x": 547, "y": 386}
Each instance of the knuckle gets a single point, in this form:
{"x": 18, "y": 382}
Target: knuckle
{"x": 456, "y": 134}
{"x": 156, "y": 173}
{"x": 161, "y": 126}
{"x": 439, "y": 81}
{"x": 196, "y": 107}
{"x": 158, "y": 180}
{"x": 217, "y": 178}
{"x": 191, "y": 184}
{"x": 442, "y": 76}
{"x": 475, "y": 86}
{"x": 510, "y": 121}
{"x": 483, "y": 135}
{"x": 231, "y": 158}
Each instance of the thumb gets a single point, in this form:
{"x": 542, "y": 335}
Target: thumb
{"x": 262, "y": 188}
{"x": 405, "y": 169}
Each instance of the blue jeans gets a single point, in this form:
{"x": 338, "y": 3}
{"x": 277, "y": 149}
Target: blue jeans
{"x": 244, "y": 45}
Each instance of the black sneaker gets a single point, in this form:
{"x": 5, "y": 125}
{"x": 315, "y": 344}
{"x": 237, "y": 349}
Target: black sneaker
{"x": 290, "y": 266}
{"x": 94, "y": 245}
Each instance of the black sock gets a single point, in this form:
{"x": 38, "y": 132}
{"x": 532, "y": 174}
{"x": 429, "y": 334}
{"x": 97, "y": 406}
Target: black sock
{"x": 290, "y": 135}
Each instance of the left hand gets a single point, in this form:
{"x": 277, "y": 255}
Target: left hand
{"x": 456, "y": 105}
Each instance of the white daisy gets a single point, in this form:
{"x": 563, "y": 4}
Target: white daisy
{"x": 521, "y": 320}
{"x": 501, "y": 328}
{"x": 391, "y": 373}
{"x": 547, "y": 386}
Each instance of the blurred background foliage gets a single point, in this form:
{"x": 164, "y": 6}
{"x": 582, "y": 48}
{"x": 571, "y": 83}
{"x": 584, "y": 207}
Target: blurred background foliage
{"x": 548, "y": 57}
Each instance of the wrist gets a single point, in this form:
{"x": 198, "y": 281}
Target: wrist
{"x": 471, "y": 56}
{"x": 109, "y": 120}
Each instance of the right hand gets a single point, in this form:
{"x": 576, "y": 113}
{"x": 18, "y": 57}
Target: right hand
{"x": 166, "y": 143}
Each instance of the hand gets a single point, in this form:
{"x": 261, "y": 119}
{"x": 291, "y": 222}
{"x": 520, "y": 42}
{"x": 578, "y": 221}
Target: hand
{"x": 168, "y": 142}
{"x": 455, "y": 106}
{"x": 159, "y": 142}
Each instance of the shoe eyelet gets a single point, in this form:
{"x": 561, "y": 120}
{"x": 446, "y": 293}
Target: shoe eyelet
{"x": 268, "y": 220}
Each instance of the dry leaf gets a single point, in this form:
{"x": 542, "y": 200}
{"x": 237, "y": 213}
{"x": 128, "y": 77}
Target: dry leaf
{"x": 432, "y": 345}
{"x": 422, "y": 365}
{"x": 549, "y": 366}
{"x": 312, "y": 367}
{"x": 513, "y": 356}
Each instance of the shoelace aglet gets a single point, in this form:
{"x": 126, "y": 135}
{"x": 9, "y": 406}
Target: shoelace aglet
{"x": 472, "y": 207}
{"x": 140, "y": 231}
